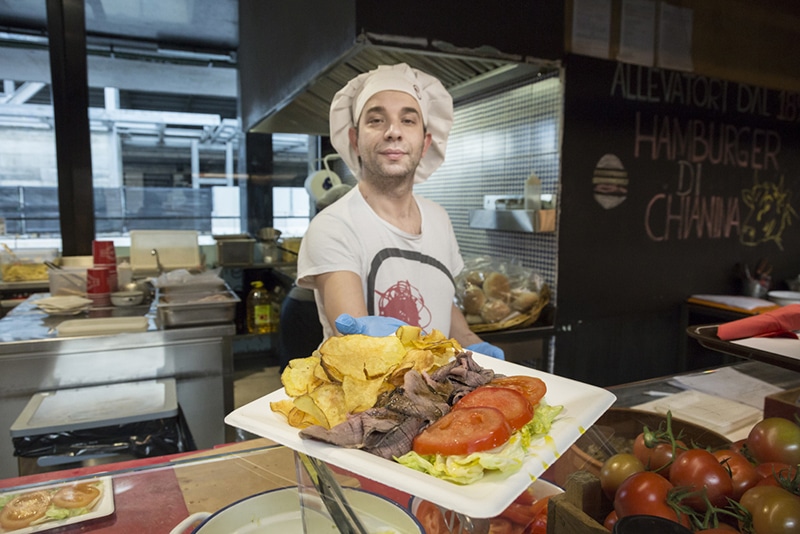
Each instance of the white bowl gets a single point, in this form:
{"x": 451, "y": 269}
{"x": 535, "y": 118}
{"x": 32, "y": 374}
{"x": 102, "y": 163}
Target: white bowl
{"x": 784, "y": 297}
{"x": 127, "y": 298}
{"x": 279, "y": 511}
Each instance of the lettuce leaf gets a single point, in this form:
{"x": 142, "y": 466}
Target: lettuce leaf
{"x": 55, "y": 513}
{"x": 508, "y": 458}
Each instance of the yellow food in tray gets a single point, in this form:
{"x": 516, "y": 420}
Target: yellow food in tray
{"x": 347, "y": 374}
{"x": 23, "y": 272}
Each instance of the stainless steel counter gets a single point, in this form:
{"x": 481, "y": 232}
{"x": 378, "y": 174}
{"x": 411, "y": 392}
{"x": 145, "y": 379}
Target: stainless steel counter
{"x": 34, "y": 359}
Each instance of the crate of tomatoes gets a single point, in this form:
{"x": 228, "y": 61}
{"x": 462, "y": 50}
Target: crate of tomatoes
{"x": 750, "y": 486}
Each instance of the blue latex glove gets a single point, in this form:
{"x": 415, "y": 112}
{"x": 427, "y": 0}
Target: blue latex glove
{"x": 370, "y": 325}
{"x": 488, "y": 349}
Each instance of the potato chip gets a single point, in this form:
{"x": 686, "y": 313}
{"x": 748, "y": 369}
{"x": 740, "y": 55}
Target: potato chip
{"x": 408, "y": 335}
{"x": 295, "y": 417}
{"x": 306, "y": 404}
{"x": 445, "y": 349}
{"x": 361, "y": 356}
{"x": 330, "y": 399}
{"x": 360, "y": 395}
{"x": 283, "y": 406}
{"x": 300, "y": 419}
{"x": 347, "y": 374}
{"x": 300, "y": 376}
{"x": 418, "y": 359}
{"x": 320, "y": 374}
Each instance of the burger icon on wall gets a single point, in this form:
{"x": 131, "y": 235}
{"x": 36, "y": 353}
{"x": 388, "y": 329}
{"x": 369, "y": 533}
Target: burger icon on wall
{"x": 610, "y": 182}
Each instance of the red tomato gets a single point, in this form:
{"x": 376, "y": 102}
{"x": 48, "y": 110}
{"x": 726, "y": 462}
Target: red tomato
{"x": 432, "y": 520}
{"x": 464, "y": 432}
{"x": 533, "y": 388}
{"x": 499, "y": 525}
{"x": 775, "y": 439}
{"x": 738, "y": 446}
{"x": 697, "y": 469}
{"x": 658, "y": 457}
{"x": 539, "y": 507}
{"x": 611, "y": 520}
{"x": 526, "y": 497}
{"x": 513, "y": 404}
{"x": 646, "y": 493}
{"x": 769, "y": 473}
{"x": 774, "y": 510}
{"x": 518, "y": 513}
{"x": 743, "y": 474}
{"x": 539, "y": 525}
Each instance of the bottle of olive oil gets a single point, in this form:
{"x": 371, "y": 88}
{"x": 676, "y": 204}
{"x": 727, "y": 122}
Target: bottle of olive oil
{"x": 259, "y": 310}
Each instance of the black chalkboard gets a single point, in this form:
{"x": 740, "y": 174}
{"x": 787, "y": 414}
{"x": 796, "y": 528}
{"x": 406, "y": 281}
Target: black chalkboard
{"x": 669, "y": 181}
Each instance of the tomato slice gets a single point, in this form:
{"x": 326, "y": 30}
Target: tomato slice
{"x": 78, "y": 496}
{"x": 24, "y": 509}
{"x": 511, "y": 403}
{"x": 533, "y": 388}
{"x": 464, "y": 432}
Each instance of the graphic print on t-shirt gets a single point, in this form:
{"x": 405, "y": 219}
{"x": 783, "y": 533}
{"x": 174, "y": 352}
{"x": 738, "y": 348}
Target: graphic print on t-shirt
{"x": 400, "y": 281}
{"x": 403, "y": 301}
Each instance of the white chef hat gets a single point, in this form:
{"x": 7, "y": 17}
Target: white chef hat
{"x": 434, "y": 101}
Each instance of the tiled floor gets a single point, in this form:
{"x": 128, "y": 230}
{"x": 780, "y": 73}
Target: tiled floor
{"x": 254, "y": 382}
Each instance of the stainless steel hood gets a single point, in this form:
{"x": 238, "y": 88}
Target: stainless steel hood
{"x": 318, "y": 48}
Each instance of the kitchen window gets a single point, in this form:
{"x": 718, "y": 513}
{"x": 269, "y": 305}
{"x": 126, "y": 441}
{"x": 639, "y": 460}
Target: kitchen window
{"x": 147, "y": 174}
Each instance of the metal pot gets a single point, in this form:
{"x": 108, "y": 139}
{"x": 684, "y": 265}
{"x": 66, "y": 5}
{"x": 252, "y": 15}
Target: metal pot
{"x": 269, "y": 234}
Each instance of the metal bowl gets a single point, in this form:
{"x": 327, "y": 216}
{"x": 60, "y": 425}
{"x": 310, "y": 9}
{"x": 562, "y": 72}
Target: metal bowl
{"x": 127, "y": 298}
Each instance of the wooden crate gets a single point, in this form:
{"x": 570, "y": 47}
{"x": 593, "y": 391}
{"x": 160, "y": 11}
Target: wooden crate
{"x": 785, "y": 404}
{"x": 581, "y": 509}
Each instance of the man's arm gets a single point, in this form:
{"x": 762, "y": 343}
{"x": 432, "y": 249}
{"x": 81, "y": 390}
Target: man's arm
{"x": 341, "y": 292}
{"x": 459, "y": 329}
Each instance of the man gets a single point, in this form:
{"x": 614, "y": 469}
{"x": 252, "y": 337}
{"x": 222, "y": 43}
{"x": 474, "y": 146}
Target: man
{"x": 383, "y": 256}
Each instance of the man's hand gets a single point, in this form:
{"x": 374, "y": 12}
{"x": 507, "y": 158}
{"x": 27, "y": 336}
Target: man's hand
{"x": 370, "y": 325}
{"x": 488, "y": 349}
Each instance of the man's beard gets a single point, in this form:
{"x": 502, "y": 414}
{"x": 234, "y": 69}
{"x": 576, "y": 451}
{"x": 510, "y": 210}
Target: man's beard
{"x": 385, "y": 181}
{"x": 388, "y": 176}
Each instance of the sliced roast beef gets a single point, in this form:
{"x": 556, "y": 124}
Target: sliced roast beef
{"x": 417, "y": 399}
{"x": 463, "y": 374}
{"x": 379, "y": 431}
{"x": 348, "y": 434}
{"x": 395, "y": 442}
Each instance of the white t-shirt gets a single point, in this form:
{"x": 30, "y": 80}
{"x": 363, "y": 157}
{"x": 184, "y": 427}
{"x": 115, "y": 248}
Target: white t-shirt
{"x": 406, "y": 276}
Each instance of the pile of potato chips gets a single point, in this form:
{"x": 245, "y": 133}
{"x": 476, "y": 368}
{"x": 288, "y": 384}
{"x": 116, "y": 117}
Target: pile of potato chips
{"x": 348, "y": 373}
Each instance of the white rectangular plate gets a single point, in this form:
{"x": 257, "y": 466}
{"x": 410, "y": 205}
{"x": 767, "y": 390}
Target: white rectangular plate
{"x": 583, "y": 405}
{"x": 778, "y": 345}
{"x": 104, "y": 507}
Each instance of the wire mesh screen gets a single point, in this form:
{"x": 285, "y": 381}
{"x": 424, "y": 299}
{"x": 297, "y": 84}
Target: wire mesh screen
{"x": 496, "y": 143}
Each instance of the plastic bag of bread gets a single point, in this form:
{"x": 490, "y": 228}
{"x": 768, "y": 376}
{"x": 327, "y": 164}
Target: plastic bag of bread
{"x": 493, "y": 291}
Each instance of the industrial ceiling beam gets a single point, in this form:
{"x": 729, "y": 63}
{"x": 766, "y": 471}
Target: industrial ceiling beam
{"x": 66, "y": 27}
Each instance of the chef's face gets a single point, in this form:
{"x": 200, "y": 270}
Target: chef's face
{"x": 390, "y": 139}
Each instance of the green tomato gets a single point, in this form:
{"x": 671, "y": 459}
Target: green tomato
{"x": 775, "y": 439}
{"x": 774, "y": 510}
{"x": 616, "y": 469}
